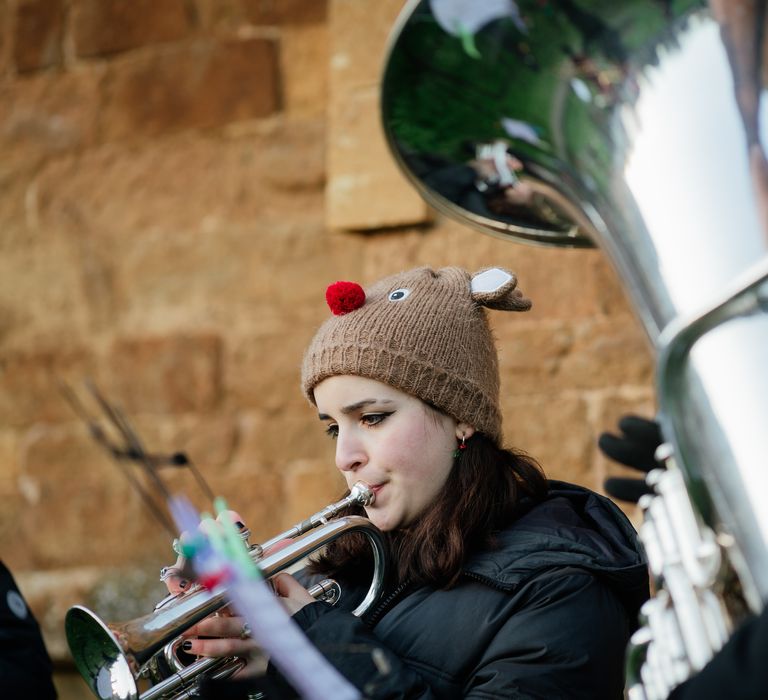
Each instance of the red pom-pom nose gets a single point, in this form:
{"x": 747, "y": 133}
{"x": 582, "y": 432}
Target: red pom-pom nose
{"x": 344, "y": 297}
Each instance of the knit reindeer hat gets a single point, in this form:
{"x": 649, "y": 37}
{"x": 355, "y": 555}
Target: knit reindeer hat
{"x": 424, "y": 332}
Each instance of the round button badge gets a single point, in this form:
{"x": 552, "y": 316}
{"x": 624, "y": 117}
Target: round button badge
{"x": 16, "y": 604}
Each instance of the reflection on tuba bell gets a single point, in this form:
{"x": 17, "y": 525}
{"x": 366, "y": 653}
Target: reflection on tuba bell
{"x": 113, "y": 657}
{"x": 635, "y": 127}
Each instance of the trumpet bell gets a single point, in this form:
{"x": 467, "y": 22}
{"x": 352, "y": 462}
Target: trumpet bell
{"x": 99, "y": 656}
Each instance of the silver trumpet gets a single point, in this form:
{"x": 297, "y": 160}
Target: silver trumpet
{"x": 113, "y": 657}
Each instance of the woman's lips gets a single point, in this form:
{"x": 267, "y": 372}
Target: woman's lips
{"x": 376, "y": 488}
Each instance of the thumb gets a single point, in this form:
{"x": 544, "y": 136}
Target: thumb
{"x": 285, "y": 585}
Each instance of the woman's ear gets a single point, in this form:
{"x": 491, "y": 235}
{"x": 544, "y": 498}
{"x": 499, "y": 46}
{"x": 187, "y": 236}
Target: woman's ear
{"x": 464, "y": 430}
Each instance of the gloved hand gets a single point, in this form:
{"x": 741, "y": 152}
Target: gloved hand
{"x": 635, "y": 448}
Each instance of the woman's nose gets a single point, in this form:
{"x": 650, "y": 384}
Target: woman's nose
{"x": 350, "y": 454}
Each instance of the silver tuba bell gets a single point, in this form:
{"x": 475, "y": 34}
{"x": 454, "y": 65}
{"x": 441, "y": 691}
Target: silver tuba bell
{"x": 113, "y": 658}
{"x": 637, "y": 127}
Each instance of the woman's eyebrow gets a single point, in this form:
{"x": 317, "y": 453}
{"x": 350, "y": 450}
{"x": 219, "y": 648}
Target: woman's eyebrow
{"x": 351, "y": 408}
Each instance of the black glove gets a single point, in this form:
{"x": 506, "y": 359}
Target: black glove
{"x": 635, "y": 448}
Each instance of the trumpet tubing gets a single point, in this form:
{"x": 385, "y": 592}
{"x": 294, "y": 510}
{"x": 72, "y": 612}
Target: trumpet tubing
{"x": 111, "y": 656}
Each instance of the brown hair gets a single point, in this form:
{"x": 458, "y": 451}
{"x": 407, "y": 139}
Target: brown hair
{"x": 481, "y": 496}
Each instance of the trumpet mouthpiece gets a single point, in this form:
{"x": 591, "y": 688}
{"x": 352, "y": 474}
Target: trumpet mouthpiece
{"x": 361, "y": 493}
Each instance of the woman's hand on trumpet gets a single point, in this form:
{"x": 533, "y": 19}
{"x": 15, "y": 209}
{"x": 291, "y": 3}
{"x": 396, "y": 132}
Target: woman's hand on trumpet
{"x": 219, "y": 635}
{"x": 179, "y": 576}
{"x": 227, "y": 635}
{"x": 291, "y": 593}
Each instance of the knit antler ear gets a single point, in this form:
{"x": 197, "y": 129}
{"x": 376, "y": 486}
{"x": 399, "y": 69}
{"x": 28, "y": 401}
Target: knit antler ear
{"x": 495, "y": 289}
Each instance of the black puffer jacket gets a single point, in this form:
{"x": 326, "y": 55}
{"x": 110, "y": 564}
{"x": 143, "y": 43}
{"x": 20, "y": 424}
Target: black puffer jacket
{"x": 25, "y": 668}
{"x": 547, "y": 614}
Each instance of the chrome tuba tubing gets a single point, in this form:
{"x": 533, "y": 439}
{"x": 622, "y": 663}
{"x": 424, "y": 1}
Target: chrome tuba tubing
{"x": 111, "y": 657}
{"x": 638, "y": 128}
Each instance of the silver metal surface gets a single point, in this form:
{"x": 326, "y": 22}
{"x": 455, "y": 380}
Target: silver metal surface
{"x": 685, "y": 623}
{"x": 110, "y": 657}
{"x": 637, "y": 127}
{"x": 626, "y": 112}
{"x": 629, "y": 111}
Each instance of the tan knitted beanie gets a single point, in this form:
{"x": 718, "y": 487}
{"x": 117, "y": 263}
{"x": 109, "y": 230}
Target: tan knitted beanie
{"x": 424, "y": 332}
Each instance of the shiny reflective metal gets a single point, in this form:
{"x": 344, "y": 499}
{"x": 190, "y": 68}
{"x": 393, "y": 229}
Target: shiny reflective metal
{"x": 685, "y": 623}
{"x": 640, "y": 128}
{"x": 112, "y": 657}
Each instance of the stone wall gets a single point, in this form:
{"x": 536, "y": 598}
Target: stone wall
{"x": 179, "y": 181}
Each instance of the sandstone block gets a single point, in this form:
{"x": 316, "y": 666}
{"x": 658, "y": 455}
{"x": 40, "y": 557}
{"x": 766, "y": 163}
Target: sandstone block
{"x": 261, "y": 501}
{"x": 11, "y": 509}
{"x": 531, "y": 353}
{"x": 246, "y": 283}
{"x": 65, "y": 291}
{"x": 202, "y": 84}
{"x": 171, "y": 374}
{"x": 44, "y": 115}
{"x": 181, "y": 194}
{"x": 537, "y": 426}
{"x": 285, "y": 11}
{"x": 291, "y": 155}
{"x": 9, "y": 476}
{"x": 102, "y": 27}
{"x": 209, "y": 441}
{"x": 5, "y": 36}
{"x": 250, "y": 386}
{"x": 609, "y": 352}
{"x": 78, "y": 507}
{"x": 268, "y": 440}
{"x": 38, "y": 35}
{"x": 446, "y": 243}
{"x": 29, "y": 389}
{"x": 457, "y": 244}
{"x": 311, "y": 484}
{"x": 13, "y": 212}
{"x": 234, "y": 15}
{"x": 303, "y": 67}
{"x": 365, "y": 188}
{"x": 359, "y": 31}
{"x": 9, "y": 463}
{"x": 586, "y": 354}
{"x": 567, "y": 284}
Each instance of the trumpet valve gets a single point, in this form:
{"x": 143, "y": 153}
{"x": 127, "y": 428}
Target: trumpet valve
{"x": 327, "y": 590}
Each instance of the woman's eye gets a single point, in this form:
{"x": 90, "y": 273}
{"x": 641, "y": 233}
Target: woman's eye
{"x": 371, "y": 419}
{"x": 399, "y": 294}
{"x": 332, "y": 431}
